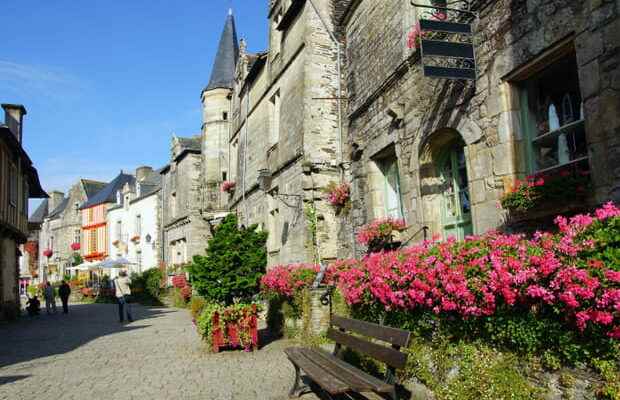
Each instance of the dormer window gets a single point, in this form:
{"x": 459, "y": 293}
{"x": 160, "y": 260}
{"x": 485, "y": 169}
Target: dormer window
{"x": 138, "y": 189}
{"x": 119, "y": 198}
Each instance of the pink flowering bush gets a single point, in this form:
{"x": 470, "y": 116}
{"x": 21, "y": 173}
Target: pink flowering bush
{"x": 286, "y": 280}
{"x": 228, "y": 187}
{"x": 556, "y": 293}
{"x": 338, "y": 196}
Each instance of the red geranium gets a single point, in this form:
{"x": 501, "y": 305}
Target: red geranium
{"x": 75, "y": 246}
{"x": 48, "y": 253}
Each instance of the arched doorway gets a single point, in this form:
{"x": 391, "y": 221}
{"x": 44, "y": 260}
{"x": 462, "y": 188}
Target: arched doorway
{"x": 455, "y": 202}
{"x": 444, "y": 184}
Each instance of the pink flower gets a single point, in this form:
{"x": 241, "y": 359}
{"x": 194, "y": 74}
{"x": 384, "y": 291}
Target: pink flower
{"x": 228, "y": 187}
{"x": 608, "y": 210}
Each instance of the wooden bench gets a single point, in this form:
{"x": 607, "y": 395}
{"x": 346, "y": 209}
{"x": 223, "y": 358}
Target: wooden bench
{"x": 336, "y": 376}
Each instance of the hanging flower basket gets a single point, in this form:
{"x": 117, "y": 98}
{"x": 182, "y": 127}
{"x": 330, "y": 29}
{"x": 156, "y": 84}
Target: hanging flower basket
{"x": 135, "y": 239}
{"x": 75, "y": 246}
{"x": 228, "y": 187}
{"x": 48, "y": 253}
{"x": 339, "y": 196}
{"x": 116, "y": 243}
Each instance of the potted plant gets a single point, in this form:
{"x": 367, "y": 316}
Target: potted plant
{"x": 228, "y": 187}
{"x": 339, "y": 196}
{"x": 379, "y": 234}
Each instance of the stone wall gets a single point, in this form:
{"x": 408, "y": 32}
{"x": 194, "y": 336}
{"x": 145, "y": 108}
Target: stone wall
{"x": 383, "y": 75}
{"x": 299, "y": 149}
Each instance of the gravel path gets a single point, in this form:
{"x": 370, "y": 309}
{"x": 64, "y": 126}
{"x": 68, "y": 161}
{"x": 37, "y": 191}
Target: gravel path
{"x": 89, "y": 355}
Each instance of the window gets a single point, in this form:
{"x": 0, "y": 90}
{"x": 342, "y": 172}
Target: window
{"x": 552, "y": 112}
{"x": 13, "y": 185}
{"x": 77, "y": 236}
{"x": 389, "y": 186}
{"x": 119, "y": 230}
{"x": 138, "y": 189}
{"x": 225, "y": 116}
{"x": 274, "y": 108}
{"x": 276, "y": 35}
{"x": 92, "y": 241}
{"x": 91, "y": 215}
{"x": 119, "y": 198}
{"x": 138, "y": 225}
{"x": 76, "y": 208}
{"x": 173, "y": 205}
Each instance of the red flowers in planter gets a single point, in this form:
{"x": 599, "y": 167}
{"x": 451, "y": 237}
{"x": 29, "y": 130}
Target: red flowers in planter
{"x": 380, "y": 230}
{"x": 48, "y": 253}
{"x": 228, "y": 186}
{"x": 179, "y": 281}
{"x": 235, "y": 326}
{"x": 75, "y": 246}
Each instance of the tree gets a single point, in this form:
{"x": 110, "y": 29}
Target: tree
{"x": 235, "y": 261}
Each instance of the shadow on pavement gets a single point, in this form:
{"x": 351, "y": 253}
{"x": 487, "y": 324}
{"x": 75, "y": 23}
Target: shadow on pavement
{"x": 13, "y": 378}
{"x": 45, "y": 335}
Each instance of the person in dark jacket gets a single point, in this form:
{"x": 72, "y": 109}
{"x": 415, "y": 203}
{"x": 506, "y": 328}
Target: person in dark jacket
{"x": 64, "y": 291}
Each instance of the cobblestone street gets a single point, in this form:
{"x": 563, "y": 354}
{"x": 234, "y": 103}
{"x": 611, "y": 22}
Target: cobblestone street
{"x": 89, "y": 355}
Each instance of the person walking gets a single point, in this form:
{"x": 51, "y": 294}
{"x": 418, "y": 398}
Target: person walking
{"x": 64, "y": 291}
{"x": 122, "y": 289}
{"x": 50, "y": 298}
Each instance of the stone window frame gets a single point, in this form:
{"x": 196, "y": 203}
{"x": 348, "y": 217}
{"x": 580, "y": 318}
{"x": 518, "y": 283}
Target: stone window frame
{"x": 517, "y": 81}
{"x": 275, "y": 106}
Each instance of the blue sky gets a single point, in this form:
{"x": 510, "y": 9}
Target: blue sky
{"x": 106, "y": 82}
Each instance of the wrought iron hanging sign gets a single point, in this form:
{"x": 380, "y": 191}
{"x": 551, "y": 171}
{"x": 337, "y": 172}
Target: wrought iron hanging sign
{"x": 445, "y": 38}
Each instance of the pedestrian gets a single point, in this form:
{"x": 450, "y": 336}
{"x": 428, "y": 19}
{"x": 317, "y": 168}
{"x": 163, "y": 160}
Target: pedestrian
{"x": 121, "y": 286}
{"x": 64, "y": 291}
{"x": 34, "y": 306}
{"x": 50, "y": 298}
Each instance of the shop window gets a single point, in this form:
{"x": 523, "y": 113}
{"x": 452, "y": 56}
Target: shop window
{"x": 553, "y": 118}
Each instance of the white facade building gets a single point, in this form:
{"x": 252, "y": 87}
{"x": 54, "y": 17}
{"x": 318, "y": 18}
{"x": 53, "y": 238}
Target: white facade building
{"x": 133, "y": 222}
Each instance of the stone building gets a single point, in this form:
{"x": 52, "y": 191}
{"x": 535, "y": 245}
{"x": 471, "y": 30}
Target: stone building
{"x": 184, "y": 230}
{"x": 441, "y": 153}
{"x": 61, "y": 229}
{"x": 216, "y": 110}
{"x": 19, "y": 181}
{"x": 29, "y": 260}
{"x": 284, "y": 141}
{"x": 134, "y": 220}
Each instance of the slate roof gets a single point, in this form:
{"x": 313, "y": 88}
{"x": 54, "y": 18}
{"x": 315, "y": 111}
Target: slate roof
{"x": 190, "y": 143}
{"x": 40, "y": 213}
{"x": 223, "y": 72}
{"x": 92, "y": 187}
{"x": 108, "y": 193}
{"x": 60, "y": 208}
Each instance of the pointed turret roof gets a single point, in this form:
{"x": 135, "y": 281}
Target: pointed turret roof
{"x": 223, "y": 72}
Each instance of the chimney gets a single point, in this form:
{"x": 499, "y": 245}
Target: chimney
{"x": 54, "y": 201}
{"x": 143, "y": 172}
{"x": 14, "y": 118}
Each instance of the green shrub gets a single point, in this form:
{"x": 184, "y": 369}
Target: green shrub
{"x": 235, "y": 261}
{"x": 196, "y": 305}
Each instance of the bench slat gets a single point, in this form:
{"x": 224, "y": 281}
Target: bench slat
{"x": 328, "y": 382}
{"x": 350, "y": 378}
{"x": 388, "y": 334}
{"x": 387, "y": 355}
{"x": 343, "y": 369}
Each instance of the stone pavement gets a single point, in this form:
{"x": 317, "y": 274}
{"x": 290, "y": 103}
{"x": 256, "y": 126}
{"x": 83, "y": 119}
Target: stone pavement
{"x": 88, "y": 355}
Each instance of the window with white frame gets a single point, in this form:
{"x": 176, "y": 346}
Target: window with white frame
{"x": 138, "y": 225}
{"x": 119, "y": 230}
{"x": 552, "y": 113}
{"x": 77, "y": 236}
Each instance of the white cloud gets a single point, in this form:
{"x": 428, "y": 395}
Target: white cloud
{"x": 24, "y": 81}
